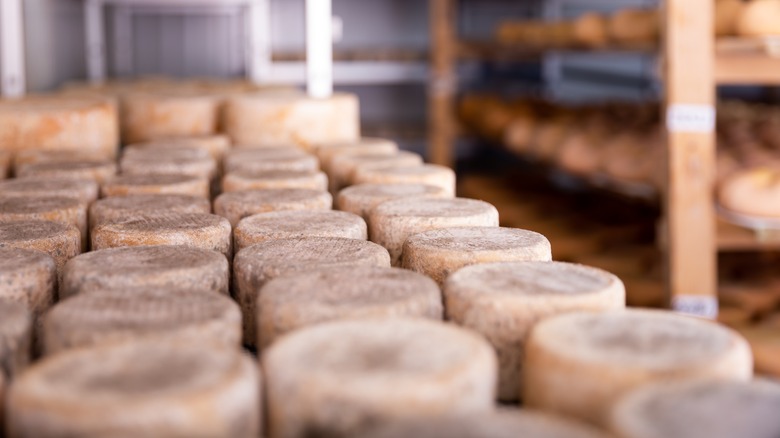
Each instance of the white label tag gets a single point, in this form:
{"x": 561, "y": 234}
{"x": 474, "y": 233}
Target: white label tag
{"x": 696, "y": 305}
{"x": 690, "y": 118}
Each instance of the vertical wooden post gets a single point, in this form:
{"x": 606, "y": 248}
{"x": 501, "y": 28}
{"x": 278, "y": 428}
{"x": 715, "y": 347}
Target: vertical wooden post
{"x": 690, "y": 121}
{"x": 443, "y": 82}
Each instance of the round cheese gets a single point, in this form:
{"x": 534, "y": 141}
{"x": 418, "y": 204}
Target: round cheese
{"x": 143, "y": 388}
{"x": 298, "y": 223}
{"x": 86, "y": 191}
{"x": 15, "y": 337}
{"x": 274, "y": 179}
{"x": 116, "y": 316}
{"x": 344, "y": 168}
{"x": 170, "y": 161}
{"x": 590, "y": 30}
{"x": 580, "y": 364}
{"x": 237, "y": 205}
{"x": 120, "y": 207}
{"x": 28, "y": 277}
{"x": 503, "y": 301}
{"x": 392, "y": 222}
{"x": 503, "y": 423}
{"x": 159, "y": 115}
{"x": 273, "y": 118}
{"x": 291, "y": 302}
{"x": 59, "y": 123}
{"x": 759, "y": 18}
{"x": 270, "y": 159}
{"x": 430, "y": 174}
{"x": 96, "y": 170}
{"x": 259, "y": 263}
{"x": 152, "y": 267}
{"x": 62, "y": 242}
{"x": 364, "y": 146}
{"x": 215, "y": 145}
{"x": 754, "y": 192}
{"x": 711, "y": 408}
{"x": 439, "y": 253}
{"x": 362, "y": 198}
{"x": 378, "y": 370}
{"x": 196, "y": 230}
{"x": 34, "y": 156}
{"x": 156, "y": 185}
{"x": 64, "y": 210}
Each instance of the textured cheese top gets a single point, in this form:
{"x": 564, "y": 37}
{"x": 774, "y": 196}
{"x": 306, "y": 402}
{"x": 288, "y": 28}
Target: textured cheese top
{"x": 274, "y": 179}
{"x": 362, "y": 146}
{"x": 32, "y": 156}
{"x": 177, "y": 184}
{"x": 165, "y": 267}
{"x": 432, "y": 208}
{"x": 84, "y": 190}
{"x": 115, "y": 316}
{"x": 481, "y": 241}
{"x": 175, "y": 161}
{"x": 120, "y": 207}
{"x": 348, "y": 163}
{"x": 28, "y": 277}
{"x": 237, "y": 205}
{"x": 439, "y": 176}
{"x": 69, "y": 211}
{"x": 216, "y": 145}
{"x": 59, "y": 240}
{"x": 98, "y": 171}
{"x": 268, "y": 159}
{"x": 298, "y": 223}
{"x": 360, "y": 199}
{"x": 709, "y": 408}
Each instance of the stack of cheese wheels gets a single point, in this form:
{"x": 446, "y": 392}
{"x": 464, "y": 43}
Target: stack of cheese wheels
{"x": 362, "y": 198}
{"x": 504, "y": 423}
{"x": 291, "y": 302}
{"x": 270, "y": 158}
{"x": 363, "y": 146}
{"x": 68, "y": 211}
{"x": 197, "y": 230}
{"x": 274, "y": 179}
{"x": 86, "y": 191}
{"x": 276, "y": 118}
{"x": 16, "y": 331}
{"x": 152, "y": 267}
{"x": 115, "y": 316}
{"x": 430, "y": 174}
{"x": 120, "y": 207}
{"x": 94, "y": 169}
{"x": 344, "y": 167}
{"x": 706, "y": 408}
{"x": 438, "y": 253}
{"x": 257, "y": 264}
{"x": 170, "y": 161}
{"x": 752, "y": 192}
{"x": 156, "y": 185}
{"x": 237, "y": 205}
{"x": 298, "y": 223}
{"x": 60, "y": 123}
{"x": 159, "y": 115}
{"x": 62, "y": 242}
{"x": 374, "y": 371}
{"x": 503, "y": 301}
{"x": 144, "y": 388}
{"x": 216, "y": 145}
{"x": 392, "y": 222}
{"x": 28, "y": 277}
{"x": 579, "y": 364}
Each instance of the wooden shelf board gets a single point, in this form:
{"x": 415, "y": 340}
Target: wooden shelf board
{"x": 378, "y": 54}
{"x": 747, "y": 69}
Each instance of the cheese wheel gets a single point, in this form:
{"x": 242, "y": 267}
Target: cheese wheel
{"x": 143, "y": 388}
{"x": 754, "y": 192}
{"x": 292, "y": 302}
{"x": 706, "y": 408}
{"x": 159, "y": 115}
{"x": 215, "y": 145}
{"x": 116, "y": 316}
{"x": 362, "y": 198}
{"x": 727, "y": 15}
{"x": 237, "y": 205}
{"x": 364, "y": 146}
{"x": 33, "y": 156}
{"x": 15, "y": 337}
{"x": 590, "y": 30}
{"x": 259, "y": 263}
{"x": 503, "y": 423}
{"x": 344, "y": 168}
{"x": 580, "y": 364}
{"x": 68, "y": 211}
{"x": 270, "y": 159}
{"x": 759, "y": 18}
{"x": 503, "y": 301}
{"x": 392, "y": 222}
{"x": 96, "y": 170}
{"x": 439, "y": 253}
{"x": 86, "y": 191}
{"x": 273, "y": 118}
{"x": 430, "y": 174}
{"x": 196, "y": 230}
{"x": 62, "y": 242}
{"x": 59, "y": 123}
{"x": 274, "y": 179}
{"x": 5, "y": 172}
{"x": 152, "y": 267}
{"x": 374, "y": 371}
{"x": 120, "y": 207}
{"x": 298, "y": 223}
{"x": 124, "y": 185}
{"x": 28, "y": 277}
{"x": 170, "y": 161}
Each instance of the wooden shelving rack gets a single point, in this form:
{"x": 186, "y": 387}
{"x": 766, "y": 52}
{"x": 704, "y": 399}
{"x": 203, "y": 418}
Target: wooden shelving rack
{"x": 691, "y": 69}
